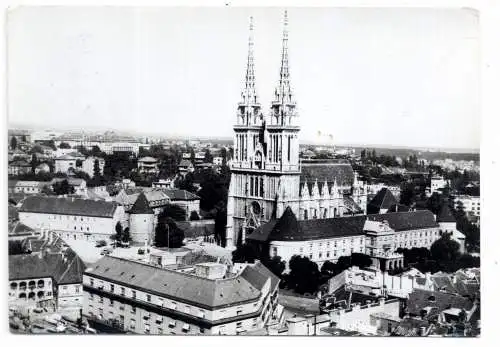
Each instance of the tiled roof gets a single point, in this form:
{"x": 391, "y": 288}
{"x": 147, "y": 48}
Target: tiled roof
{"x": 141, "y": 206}
{"x": 19, "y": 229}
{"x": 12, "y": 213}
{"x": 19, "y": 163}
{"x": 410, "y": 327}
{"x": 68, "y": 206}
{"x": 342, "y": 173}
{"x": 63, "y": 268}
{"x": 401, "y": 221}
{"x": 184, "y": 287}
{"x": 180, "y": 194}
{"x": 419, "y": 299}
{"x": 398, "y": 208}
{"x": 384, "y": 199}
{"x": 185, "y": 163}
{"x": 155, "y": 196}
{"x": 27, "y": 266}
{"x": 288, "y": 228}
{"x": 148, "y": 159}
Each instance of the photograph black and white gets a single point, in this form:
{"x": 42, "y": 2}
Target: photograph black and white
{"x": 300, "y": 171}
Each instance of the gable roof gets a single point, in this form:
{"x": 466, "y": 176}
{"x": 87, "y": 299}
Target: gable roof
{"x": 288, "y": 228}
{"x": 180, "y": 194}
{"x": 202, "y": 292}
{"x": 329, "y": 172}
{"x": 68, "y": 206}
{"x": 141, "y": 206}
{"x": 401, "y": 221}
{"x": 419, "y": 299}
{"x": 384, "y": 199}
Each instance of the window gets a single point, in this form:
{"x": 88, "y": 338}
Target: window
{"x": 91, "y": 282}
{"x": 133, "y": 310}
{"x": 171, "y": 324}
{"x": 111, "y": 303}
{"x": 148, "y": 298}
{"x": 122, "y": 291}
{"x": 111, "y": 288}
{"x": 133, "y": 294}
{"x": 77, "y": 289}
{"x": 328, "y": 254}
{"x": 310, "y": 256}
{"x": 319, "y": 255}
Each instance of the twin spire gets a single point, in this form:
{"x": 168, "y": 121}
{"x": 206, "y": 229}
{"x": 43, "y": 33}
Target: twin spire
{"x": 283, "y": 93}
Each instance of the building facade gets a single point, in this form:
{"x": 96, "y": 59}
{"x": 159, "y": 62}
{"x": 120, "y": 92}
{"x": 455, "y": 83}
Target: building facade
{"x": 328, "y": 239}
{"x": 72, "y": 218}
{"x": 145, "y": 299}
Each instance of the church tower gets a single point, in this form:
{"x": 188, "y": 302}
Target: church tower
{"x": 265, "y": 169}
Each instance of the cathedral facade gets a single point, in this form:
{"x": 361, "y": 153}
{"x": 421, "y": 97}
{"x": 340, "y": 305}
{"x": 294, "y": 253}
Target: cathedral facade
{"x": 266, "y": 173}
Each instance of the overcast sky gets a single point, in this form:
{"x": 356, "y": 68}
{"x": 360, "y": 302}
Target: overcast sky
{"x": 366, "y": 76}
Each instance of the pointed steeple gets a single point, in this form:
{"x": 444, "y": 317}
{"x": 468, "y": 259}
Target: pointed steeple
{"x": 283, "y": 92}
{"x": 249, "y": 94}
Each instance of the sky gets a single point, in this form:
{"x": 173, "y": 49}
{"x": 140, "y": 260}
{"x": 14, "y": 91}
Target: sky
{"x": 365, "y": 76}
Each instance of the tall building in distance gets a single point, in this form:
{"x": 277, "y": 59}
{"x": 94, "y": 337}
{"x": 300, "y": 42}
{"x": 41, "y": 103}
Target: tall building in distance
{"x": 266, "y": 173}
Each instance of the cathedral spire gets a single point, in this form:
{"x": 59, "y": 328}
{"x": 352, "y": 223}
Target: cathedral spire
{"x": 249, "y": 95}
{"x": 283, "y": 92}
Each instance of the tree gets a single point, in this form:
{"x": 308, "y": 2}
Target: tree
{"x": 445, "y": 249}
{"x": 63, "y": 188}
{"x": 97, "y": 169}
{"x": 435, "y": 203}
{"x": 64, "y": 145}
{"x": 175, "y": 212}
{"x": 118, "y": 231}
{"x": 245, "y": 253}
{"x": 275, "y": 265}
{"x": 168, "y": 234}
{"x": 208, "y": 156}
{"x": 13, "y": 143}
{"x": 361, "y": 260}
{"x": 52, "y": 145}
{"x": 34, "y": 162}
{"x": 304, "y": 275}
{"x": 96, "y": 151}
{"x": 126, "y": 235}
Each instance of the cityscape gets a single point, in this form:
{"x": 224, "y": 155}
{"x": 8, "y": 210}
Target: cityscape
{"x": 266, "y": 232}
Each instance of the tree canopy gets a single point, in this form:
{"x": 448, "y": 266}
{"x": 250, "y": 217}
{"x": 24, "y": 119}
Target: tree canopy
{"x": 168, "y": 234}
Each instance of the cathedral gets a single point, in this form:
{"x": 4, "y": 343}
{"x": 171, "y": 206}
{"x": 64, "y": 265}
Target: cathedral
{"x": 267, "y": 175}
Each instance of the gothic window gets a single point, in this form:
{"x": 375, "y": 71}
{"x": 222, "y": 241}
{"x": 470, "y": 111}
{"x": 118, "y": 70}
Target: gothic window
{"x": 305, "y": 214}
{"x": 262, "y": 187}
{"x": 256, "y": 208}
{"x": 324, "y": 213}
{"x": 251, "y": 186}
{"x": 289, "y": 147}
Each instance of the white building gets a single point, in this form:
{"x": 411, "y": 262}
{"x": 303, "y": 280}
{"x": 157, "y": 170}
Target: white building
{"x": 145, "y": 299}
{"x": 437, "y": 182}
{"x": 148, "y": 165}
{"x": 471, "y": 204}
{"x": 328, "y": 239}
{"x": 30, "y": 187}
{"x": 75, "y": 161}
{"x": 72, "y": 217}
{"x": 218, "y": 160}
